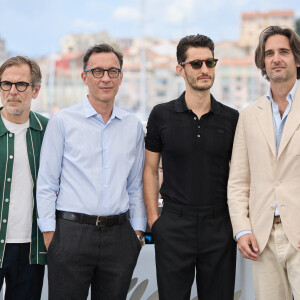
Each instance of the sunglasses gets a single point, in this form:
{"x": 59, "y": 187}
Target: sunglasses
{"x": 197, "y": 63}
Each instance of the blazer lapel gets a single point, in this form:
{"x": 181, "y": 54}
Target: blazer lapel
{"x": 292, "y": 122}
{"x": 265, "y": 120}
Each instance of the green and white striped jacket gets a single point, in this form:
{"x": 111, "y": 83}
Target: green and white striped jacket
{"x": 34, "y": 137}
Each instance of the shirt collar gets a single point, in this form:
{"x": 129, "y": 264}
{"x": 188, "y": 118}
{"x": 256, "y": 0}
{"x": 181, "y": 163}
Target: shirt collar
{"x": 289, "y": 97}
{"x": 89, "y": 110}
{"x": 180, "y": 104}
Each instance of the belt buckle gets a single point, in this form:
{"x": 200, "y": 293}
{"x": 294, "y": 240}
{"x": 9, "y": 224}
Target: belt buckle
{"x": 99, "y": 221}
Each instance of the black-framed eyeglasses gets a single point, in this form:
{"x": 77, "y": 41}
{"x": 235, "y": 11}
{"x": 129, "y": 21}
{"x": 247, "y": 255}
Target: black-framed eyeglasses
{"x": 197, "y": 63}
{"x": 21, "y": 86}
{"x": 99, "y": 72}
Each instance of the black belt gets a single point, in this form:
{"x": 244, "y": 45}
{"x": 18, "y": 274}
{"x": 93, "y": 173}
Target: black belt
{"x": 99, "y": 221}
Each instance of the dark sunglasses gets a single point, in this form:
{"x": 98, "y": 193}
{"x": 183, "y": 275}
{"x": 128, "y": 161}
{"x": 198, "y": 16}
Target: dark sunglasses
{"x": 197, "y": 63}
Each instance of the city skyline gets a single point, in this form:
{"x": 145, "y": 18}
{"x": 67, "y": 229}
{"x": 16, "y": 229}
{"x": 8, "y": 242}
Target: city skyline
{"x": 34, "y": 28}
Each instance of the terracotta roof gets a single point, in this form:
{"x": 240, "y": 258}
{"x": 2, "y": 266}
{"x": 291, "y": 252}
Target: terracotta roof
{"x": 271, "y": 13}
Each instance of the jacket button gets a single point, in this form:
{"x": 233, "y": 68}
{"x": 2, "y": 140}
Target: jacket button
{"x": 8, "y": 179}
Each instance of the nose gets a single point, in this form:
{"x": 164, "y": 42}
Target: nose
{"x": 204, "y": 68}
{"x": 13, "y": 89}
{"x": 105, "y": 76}
{"x": 276, "y": 57}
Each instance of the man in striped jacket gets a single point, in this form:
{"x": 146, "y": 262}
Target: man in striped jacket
{"x": 22, "y": 250}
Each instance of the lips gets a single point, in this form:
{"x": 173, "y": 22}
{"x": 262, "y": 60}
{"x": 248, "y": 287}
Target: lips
{"x": 204, "y": 77}
{"x": 278, "y": 68}
{"x": 13, "y": 101}
{"x": 106, "y": 88}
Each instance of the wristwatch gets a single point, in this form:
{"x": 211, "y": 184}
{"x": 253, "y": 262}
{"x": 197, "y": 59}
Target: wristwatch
{"x": 141, "y": 239}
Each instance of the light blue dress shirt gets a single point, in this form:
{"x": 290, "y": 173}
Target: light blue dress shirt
{"x": 279, "y": 123}
{"x": 90, "y": 167}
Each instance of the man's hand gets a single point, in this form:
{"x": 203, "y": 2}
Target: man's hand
{"x": 247, "y": 245}
{"x": 140, "y": 233}
{"x": 151, "y": 221}
{"x": 48, "y": 236}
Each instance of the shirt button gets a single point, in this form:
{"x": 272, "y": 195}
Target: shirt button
{"x": 8, "y": 179}
{"x": 198, "y": 135}
{"x": 277, "y": 183}
{"x": 2, "y": 241}
{"x": 195, "y": 118}
{"x": 10, "y": 135}
{"x": 105, "y": 167}
{"x": 6, "y": 200}
{"x": 4, "y": 221}
{"x": 105, "y": 185}
{"x": 198, "y": 126}
{"x": 11, "y": 156}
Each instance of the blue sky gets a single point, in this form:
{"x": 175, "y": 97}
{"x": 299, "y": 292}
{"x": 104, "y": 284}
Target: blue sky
{"x": 34, "y": 27}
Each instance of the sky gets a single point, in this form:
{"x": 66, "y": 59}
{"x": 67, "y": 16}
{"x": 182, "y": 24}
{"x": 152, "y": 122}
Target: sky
{"x": 35, "y": 27}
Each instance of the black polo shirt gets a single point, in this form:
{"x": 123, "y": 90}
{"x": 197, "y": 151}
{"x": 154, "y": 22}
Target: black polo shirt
{"x": 195, "y": 153}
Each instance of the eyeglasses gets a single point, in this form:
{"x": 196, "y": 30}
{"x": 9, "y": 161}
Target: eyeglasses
{"x": 99, "y": 73}
{"x": 197, "y": 63}
{"x": 20, "y": 86}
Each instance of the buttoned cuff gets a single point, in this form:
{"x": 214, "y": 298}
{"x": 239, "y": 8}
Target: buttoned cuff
{"x": 46, "y": 225}
{"x": 138, "y": 224}
{"x": 241, "y": 233}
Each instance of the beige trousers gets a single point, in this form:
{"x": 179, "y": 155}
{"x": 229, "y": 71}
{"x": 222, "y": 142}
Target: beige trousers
{"x": 276, "y": 275}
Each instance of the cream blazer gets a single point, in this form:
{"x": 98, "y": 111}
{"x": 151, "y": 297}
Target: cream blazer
{"x": 259, "y": 176}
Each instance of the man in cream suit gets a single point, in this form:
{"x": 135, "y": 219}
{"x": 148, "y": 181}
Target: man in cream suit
{"x": 264, "y": 182}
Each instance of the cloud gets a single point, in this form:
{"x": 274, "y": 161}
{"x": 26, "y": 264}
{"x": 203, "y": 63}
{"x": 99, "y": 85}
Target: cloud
{"x": 179, "y": 11}
{"x": 83, "y": 24}
{"x": 127, "y": 13}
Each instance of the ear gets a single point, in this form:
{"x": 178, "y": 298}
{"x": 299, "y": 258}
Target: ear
{"x": 35, "y": 91}
{"x": 84, "y": 78}
{"x": 121, "y": 77}
{"x": 180, "y": 71}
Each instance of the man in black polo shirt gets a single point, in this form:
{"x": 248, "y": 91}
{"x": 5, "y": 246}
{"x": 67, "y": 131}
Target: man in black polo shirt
{"x": 194, "y": 135}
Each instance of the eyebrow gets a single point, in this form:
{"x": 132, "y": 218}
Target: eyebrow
{"x": 271, "y": 50}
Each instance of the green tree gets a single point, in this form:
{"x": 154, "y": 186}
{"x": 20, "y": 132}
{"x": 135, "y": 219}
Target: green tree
{"x": 297, "y": 23}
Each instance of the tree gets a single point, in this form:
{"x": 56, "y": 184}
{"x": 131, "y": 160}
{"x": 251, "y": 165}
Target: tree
{"x": 297, "y": 23}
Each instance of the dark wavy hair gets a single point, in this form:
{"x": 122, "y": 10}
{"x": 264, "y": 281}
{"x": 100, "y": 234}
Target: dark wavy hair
{"x": 294, "y": 40}
{"x": 189, "y": 41}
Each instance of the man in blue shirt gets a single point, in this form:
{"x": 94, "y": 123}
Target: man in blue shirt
{"x": 89, "y": 185}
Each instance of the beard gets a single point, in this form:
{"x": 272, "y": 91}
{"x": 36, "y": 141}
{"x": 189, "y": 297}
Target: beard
{"x": 194, "y": 84}
{"x": 16, "y": 111}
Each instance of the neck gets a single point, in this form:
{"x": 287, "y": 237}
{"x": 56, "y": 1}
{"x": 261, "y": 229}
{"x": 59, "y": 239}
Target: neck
{"x": 103, "y": 108}
{"x": 280, "y": 90}
{"x": 17, "y": 119}
{"x": 198, "y": 101}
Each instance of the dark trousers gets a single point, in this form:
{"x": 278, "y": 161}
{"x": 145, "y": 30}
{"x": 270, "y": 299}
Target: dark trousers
{"x": 23, "y": 281}
{"x": 188, "y": 239}
{"x": 82, "y": 255}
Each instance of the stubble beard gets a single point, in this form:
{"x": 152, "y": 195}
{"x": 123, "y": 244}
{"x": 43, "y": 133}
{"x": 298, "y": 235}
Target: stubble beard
{"x": 16, "y": 111}
{"x": 193, "y": 84}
